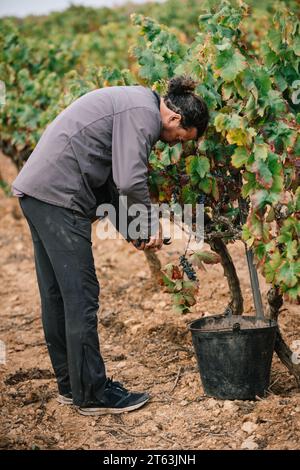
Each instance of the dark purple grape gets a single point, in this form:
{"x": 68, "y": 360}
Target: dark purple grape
{"x": 188, "y": 268}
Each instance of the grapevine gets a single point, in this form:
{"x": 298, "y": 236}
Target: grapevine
{"x": 246, "y": 65}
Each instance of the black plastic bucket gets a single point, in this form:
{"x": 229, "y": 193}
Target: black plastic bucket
{"x": 234, "y": 355}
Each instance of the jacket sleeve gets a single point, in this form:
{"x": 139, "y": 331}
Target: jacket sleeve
{"x": 135, "y": 131}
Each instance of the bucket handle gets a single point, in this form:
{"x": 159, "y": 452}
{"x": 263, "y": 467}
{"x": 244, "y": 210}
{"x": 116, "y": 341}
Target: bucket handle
{"x": 259, "y": 311}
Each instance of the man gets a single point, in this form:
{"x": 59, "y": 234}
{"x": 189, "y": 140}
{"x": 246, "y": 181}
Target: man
{"x": 98, "y": 145}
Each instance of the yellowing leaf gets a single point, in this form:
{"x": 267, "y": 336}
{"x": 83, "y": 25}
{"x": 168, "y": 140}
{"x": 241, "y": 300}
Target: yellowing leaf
{"x": 237, "y": 136}
{"x": 227, "y": 91}
{"x": 263, "y": 174}
{"x": 247, "y": 236}
{"x": 261, "y": 151}
{"x": 220, "y": 121}
{"x": 240, "y": 136}
{"x": 240, "y": 157}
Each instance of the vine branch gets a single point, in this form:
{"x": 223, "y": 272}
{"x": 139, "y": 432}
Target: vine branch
{"x": 236, "y": 303}
{"x": 281, "y": 348}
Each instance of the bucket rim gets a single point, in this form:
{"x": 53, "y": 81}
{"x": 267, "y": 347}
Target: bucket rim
{"x": 270, "y": 323}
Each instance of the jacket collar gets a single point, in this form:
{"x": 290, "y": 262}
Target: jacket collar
{"x": 157, "y": 97}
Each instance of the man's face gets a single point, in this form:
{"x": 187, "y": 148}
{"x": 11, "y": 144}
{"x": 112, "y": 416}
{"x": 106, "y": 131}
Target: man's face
{"x": 172, "y": 132}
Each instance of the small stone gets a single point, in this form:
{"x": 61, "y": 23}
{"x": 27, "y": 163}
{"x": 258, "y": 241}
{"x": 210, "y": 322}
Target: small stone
{"x": 249, "y": 444}
{"x": 135, "y": 329}
{"x": 120, "y": 365}
{"x": 93, "y": 423}
{"x": 154, "y": 428}
{"x": 142, "y": 274}
{"x": 12, "y": 434}
{"x": 4, "y": 442}
{"x": 216, "y": 412}
{"x": 211, "y": 403}
{"x": 230, "y": 406}
{"x": 249, "y": 427}
{"x": 148, "y": 305}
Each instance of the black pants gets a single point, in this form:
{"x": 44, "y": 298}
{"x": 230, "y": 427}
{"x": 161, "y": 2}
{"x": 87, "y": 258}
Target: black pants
{"x": 69, "y": 292}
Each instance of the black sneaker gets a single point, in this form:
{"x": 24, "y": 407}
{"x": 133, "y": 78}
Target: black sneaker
{"x": 116, "y": 399}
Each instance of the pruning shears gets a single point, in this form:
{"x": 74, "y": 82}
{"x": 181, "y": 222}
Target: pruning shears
{"x": 139, "y": 241}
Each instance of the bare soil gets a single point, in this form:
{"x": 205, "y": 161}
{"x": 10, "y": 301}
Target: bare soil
{"x": 145, "y": 345}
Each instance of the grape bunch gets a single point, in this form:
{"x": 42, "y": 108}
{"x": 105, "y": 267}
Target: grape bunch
{"x": 188, "y": 268}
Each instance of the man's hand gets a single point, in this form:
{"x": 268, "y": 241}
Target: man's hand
{"x": 154, "y": 243}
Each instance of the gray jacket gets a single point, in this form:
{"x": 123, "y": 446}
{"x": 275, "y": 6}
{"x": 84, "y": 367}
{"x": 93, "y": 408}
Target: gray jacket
{"x": 105, "y": 134}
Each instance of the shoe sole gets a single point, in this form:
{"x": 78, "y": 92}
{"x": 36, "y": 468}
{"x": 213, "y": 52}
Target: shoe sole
{"x": 114, "y": 411}
{"x": 64, "y": 400}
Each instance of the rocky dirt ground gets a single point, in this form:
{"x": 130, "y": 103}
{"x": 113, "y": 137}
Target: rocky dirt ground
{"x": 145, "y": 345}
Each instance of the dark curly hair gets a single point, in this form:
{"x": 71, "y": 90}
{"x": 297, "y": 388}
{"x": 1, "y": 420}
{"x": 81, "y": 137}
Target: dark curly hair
{"x": 181, "y": 99}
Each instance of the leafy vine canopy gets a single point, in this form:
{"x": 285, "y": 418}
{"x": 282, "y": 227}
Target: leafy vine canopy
{"x": 251, "y": 149}
{"x": 247, "y": 69}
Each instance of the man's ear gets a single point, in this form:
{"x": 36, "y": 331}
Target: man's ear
{"x": 175, "y": 118}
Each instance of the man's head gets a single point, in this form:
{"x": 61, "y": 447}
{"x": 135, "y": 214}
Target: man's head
{"x": 184, "y": 115}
